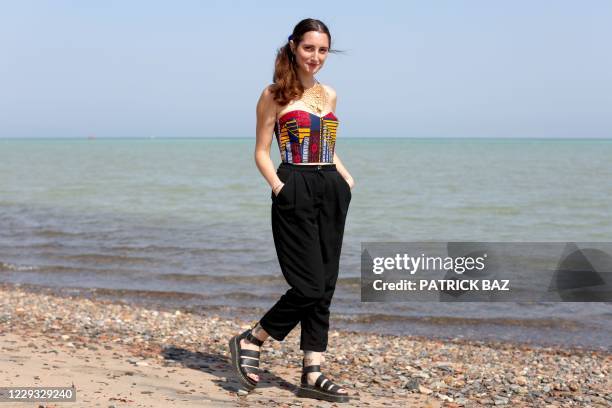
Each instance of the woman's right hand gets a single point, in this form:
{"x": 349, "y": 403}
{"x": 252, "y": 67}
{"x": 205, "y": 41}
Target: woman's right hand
{"x": 278, "y": 189}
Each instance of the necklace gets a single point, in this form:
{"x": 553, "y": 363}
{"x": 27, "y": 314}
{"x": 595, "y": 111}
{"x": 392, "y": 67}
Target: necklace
{"x": 315, "y": 97}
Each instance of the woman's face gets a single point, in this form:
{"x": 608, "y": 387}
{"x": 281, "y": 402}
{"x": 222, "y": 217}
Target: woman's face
{"x": 311, "y": 53}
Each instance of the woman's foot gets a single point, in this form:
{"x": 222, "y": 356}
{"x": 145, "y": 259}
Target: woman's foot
{"x": 247, "y": 345}
{"x": 245, "y": 351}
{"x": 314, "y": 384}
{"x": 311, "y": 378}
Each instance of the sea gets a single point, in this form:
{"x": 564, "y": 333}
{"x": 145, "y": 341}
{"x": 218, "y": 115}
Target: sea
{"x": 186, "y": 223}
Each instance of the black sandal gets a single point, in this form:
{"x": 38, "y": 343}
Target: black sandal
{"x": 245, "y": 361}
{"x": 323, "y": 388}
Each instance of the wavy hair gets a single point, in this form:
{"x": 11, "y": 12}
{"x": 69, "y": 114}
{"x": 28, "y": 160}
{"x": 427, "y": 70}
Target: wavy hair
{"x": 287, "y": 85}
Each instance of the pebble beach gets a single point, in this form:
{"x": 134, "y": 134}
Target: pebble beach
{"x": 117, "y": 354}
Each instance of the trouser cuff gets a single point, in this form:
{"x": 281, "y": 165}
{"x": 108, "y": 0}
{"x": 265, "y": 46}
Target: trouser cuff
{"x": 319, "y": 348}
{"x": 271, "y": 333}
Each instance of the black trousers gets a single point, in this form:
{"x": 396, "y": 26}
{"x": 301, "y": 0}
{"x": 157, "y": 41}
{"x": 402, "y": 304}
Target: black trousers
{"x": 308, "y": 217}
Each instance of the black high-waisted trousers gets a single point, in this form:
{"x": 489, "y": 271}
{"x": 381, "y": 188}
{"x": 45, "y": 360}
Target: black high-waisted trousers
{"x": 308, "y": 216}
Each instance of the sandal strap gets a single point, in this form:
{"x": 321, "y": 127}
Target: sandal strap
{"x": 322, "y": 382}
{"x": 253, "y": 339}
{"x": 311, "y": 369}
{"x": 249, "y": 361}
{"x": 248, "y": 369}
{"x": 332, "y": 389}
{"x": 249, "y": 353}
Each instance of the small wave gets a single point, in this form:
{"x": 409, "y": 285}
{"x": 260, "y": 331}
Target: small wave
{"x": 499, "y": 210}
{"x": 146, "y": 248}
{"x": 50, "y": 233}
{"x": 241, "y": 296}
{"x": 47, "y": 246}
{"x": 180, "y": 277}
{"x": 145, "y": 294}
{"x": 14, "y": 267}
{"x": 212, "y": 251}
{"x": 160, "y": 295}
{"x": 463, "y": 321}
{"x": 109, "y": 259}
{"x": 270, "y": 279}
{"x": 66, "y": 269}
{"x": 173, "y": 295}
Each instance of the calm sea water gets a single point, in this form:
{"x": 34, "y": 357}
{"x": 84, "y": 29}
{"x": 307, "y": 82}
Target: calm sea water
{"x": 186, "y": 222}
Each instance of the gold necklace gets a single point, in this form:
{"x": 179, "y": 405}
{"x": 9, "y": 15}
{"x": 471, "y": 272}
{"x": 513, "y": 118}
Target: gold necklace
{"x": 315, "y": 97}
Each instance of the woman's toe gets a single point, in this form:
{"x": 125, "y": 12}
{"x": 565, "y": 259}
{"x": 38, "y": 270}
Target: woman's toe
{"x": 254, "y": 376}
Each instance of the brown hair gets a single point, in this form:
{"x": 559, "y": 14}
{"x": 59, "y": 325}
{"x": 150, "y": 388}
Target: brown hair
{"x": 287, "y": 85}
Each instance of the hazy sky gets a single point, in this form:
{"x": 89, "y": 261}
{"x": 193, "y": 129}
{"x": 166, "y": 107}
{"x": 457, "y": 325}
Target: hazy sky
{"x": 415, "y": 69}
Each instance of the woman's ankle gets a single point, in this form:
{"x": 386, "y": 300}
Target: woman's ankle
{"x": 312, "y": 358}
{"x": 259, "y": 333}
{"x": 249, "y": 344}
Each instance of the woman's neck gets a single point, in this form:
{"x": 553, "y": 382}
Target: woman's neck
{"x": 307, "y": 80}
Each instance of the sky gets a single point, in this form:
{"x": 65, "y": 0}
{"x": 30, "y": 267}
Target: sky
{"x": 408, "y": 68}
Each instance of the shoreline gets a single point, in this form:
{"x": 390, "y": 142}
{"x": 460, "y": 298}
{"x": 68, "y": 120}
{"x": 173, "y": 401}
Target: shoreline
{"x": 359, "y": 323}
{"x": 94, "y": 343}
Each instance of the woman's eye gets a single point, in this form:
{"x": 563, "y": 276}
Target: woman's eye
{"x": 312, "y": 49}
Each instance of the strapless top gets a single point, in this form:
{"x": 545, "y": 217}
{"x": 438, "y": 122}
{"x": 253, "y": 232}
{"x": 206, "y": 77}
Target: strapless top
{"x": 304, "y": 137}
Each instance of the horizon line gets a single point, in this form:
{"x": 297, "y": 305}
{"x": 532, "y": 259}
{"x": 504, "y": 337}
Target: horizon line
{"x": 347, "y": 137}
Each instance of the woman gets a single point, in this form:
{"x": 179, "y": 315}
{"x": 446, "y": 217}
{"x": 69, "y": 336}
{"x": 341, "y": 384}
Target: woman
{"x": 311, "y": 192}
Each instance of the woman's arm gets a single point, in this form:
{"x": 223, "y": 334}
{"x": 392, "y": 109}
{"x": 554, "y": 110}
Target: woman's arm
{"x": 266, "y": 116}
{"x": 341, "y": 169}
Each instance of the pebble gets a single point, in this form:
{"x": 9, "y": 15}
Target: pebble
{"x": 501, "y": 401}
{"x": 520, "y": 380}
{"x": 424, "y": 390}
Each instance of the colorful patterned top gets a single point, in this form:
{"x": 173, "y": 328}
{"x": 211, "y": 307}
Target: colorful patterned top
{"x": 304, "y": 137}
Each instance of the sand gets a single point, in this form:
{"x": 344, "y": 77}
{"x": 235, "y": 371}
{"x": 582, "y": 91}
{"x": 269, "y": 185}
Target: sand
{"x": 120, "y": 355}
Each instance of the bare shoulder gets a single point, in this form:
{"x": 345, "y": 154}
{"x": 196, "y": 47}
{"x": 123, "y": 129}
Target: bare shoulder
{"x": 330, "y": 91}
{"x": 267, "y": 93}
{"x": 266, "y": 99}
